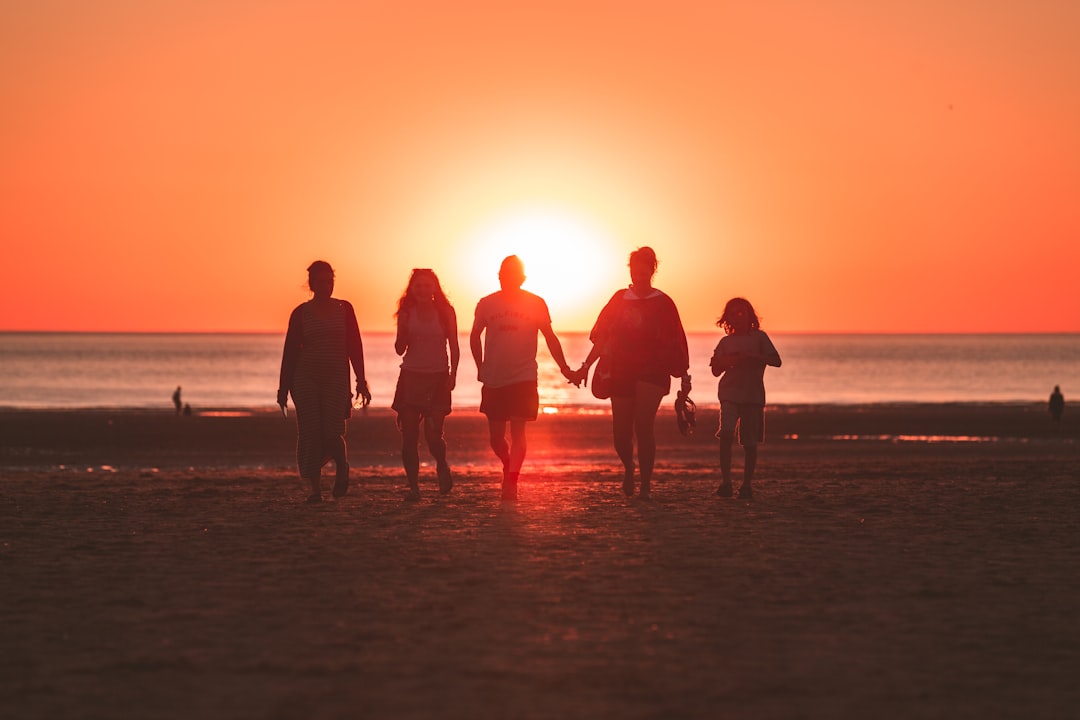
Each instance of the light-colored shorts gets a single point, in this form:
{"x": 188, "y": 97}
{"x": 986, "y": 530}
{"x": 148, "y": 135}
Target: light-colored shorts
{"x": 745, "y": 421}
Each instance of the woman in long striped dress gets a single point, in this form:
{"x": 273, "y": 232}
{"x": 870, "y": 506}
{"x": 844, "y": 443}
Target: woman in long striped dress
{"x": 322, "y": 341}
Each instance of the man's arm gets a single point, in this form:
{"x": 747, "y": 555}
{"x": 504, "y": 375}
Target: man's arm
{"x": 477, "y": 345}
{"x": 555, "y": 347}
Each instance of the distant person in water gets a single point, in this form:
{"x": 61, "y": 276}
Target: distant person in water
{"x": 503, "y": 343}
{"x": 641, "y": 338}
{"x": 427, "y": 338}
{"x": 187, "y": 409}
{"x": 1057, "y": 403}
{"x": 739, "y": 360}
{"x": 323, "y": 339}
{"x": 176, "y": 400}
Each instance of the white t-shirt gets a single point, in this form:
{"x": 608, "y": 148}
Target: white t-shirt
{"x": 511, "y": 320}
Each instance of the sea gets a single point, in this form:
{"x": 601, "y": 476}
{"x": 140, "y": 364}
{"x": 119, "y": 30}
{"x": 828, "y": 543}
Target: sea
{"x": 221, "y": 372}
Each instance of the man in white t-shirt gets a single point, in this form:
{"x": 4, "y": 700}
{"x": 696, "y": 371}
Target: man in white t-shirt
{"x": 506, "y": 364}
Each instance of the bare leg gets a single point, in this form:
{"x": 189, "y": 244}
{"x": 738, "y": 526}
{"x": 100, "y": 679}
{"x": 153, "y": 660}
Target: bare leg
{"x": 518, "y": 445}
{"x": 409, "y": 422}
{"x": 497, "y": 432}
{"x": 647, "y": 403}
{"x": 750, "y": 460}
{"x": 622, "y": 429}
{"x": 433, "y": 433}
{"x": 727, "y": 438}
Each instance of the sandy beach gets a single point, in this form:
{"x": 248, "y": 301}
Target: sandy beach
{"x": 896, "y": 561}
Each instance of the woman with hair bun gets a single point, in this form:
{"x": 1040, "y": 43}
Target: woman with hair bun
{"x": 322, "y": 341}
{"x": 641, "y": 337}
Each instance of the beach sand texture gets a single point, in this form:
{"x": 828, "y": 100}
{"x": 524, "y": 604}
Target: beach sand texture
{"x": 163, "y": 567}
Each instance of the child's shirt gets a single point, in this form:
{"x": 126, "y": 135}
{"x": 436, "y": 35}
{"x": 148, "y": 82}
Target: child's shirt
{"x": 745, "y": 381}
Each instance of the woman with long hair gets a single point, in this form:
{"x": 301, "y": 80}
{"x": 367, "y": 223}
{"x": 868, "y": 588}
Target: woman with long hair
{"x": 322, "y": 341}
{"x": 641, "y": 336}
{"x": 427, "y": 338}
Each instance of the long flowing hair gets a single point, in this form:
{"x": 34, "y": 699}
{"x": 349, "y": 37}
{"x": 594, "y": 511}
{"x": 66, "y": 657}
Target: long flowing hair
{"x": 442, "y": 303}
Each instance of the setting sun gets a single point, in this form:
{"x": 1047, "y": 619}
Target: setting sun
{"x": 570, "y": 261}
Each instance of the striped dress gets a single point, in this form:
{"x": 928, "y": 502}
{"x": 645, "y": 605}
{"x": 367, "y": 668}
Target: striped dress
{"x": 315, "y": 370}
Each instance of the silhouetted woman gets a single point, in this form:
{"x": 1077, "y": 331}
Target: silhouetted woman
{"x": 640, "y": 332}
{"x": 322, "y": 341}
{"x": 426, "y": 328}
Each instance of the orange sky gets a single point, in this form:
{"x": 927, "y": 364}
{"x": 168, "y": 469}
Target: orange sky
{"x": 849, "y": 166}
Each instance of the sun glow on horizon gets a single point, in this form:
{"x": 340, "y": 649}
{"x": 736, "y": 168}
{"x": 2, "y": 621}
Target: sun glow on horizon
{"x": 570, "y": 261}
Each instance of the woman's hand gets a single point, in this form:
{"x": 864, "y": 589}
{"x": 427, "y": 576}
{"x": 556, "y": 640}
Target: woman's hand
{"x": 362, "y": 393}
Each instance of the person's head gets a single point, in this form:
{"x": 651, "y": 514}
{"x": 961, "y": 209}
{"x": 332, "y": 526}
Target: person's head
{"x": 643, "y": 264}
{"x": 738, "y": 317}
{"x": 321, "y": 278}
{"x": 511, "y": 273}
{"x": 423, "y": 287}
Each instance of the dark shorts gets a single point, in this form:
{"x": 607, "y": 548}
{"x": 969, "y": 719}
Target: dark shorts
{"x": 627, "y": 386}
{"x": 520, "y": 400}
{"x": 424, "y": 393}
{"x": 745, "y": 421}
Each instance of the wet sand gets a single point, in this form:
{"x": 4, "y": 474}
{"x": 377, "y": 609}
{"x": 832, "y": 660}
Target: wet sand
{"x": 163, "y": 567}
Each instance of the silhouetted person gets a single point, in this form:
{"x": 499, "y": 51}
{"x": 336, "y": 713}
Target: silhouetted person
{"x": 1057, "y": 404}
{"x": 176, "y": 400}
{"x": 187, "y": 409}
{"x": 322, "y": 340}
{"x": 640, "y": 333}
{"x": 426, "y": 330}
{"x": 509, "y": 321}
{"x": 739, "y": 361}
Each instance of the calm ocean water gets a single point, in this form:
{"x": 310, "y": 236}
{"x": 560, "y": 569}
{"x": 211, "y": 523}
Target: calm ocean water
{"x": 90, "y": 370}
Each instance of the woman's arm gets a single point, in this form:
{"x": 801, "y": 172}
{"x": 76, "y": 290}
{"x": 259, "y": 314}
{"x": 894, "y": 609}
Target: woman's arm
{"x": 455, "y": 348}
{"x": 401, "y": 342}
{"x": 290, "y": 355}
{"x": 355, "y": 350}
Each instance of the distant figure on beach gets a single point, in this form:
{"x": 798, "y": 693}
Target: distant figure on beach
{"x": 176, "y": 400}
{"x": 640, "y": 342}
{"x": 187, "y": 409}
{"x": 1057, "y": 403}
{"x": 322, "y": 340}
{"x": 426, "y": 329}
{"x": 739, "y": 361}
{"x": 508, "y": 321}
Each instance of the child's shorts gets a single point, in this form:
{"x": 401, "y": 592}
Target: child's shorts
{"x": 745, "y": 421}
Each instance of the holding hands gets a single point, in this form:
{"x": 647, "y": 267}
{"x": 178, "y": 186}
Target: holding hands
{"x": 576, "y": 377}
{"x": 363, "y": 395}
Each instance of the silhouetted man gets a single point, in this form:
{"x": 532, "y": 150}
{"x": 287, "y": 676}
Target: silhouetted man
{"x": 506, "y": 364}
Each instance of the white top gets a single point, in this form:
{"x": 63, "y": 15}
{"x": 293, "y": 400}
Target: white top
{"x": 426, "y": 352}
{"x": 511, "y": 320}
